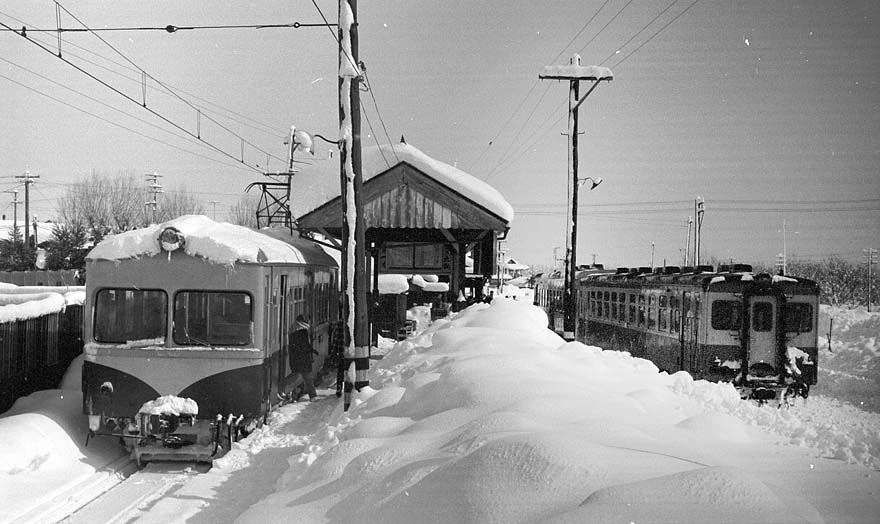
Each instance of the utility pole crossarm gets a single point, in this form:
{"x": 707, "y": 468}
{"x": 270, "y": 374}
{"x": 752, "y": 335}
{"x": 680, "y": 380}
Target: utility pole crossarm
{"x": 575, "y": 72}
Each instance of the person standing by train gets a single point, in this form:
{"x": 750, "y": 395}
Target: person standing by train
{"x": 300, "y": 353}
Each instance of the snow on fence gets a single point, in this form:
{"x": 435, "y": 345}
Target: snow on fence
{"x": 40, "y": 334}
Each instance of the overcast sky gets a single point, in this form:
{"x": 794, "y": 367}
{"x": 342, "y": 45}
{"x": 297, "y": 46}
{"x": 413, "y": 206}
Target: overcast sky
{"x": 770, "y": 111}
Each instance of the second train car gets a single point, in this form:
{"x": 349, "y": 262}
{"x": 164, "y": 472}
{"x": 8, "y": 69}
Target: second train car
{"x": 758, "y": 331}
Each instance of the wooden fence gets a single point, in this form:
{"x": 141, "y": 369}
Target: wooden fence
{"x": 35, "y": 353}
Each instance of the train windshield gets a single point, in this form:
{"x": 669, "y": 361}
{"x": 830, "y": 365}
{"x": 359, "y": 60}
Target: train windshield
{"x": 130, "y": 316}
{"x": 212, "y": 318}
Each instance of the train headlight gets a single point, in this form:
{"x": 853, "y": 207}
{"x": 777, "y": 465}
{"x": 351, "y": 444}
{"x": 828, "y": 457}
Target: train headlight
{"x": 171, "y": 239}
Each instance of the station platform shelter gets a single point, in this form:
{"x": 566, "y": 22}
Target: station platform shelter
{"x": 423, "y": 217}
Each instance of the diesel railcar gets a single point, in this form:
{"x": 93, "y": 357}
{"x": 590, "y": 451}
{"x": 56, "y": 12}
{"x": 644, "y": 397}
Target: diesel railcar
{"x": 185, "y": 329}
{"x": 758, "y": 331}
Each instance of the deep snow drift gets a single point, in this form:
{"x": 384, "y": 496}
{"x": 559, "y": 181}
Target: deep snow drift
{"x": 489, "y": 417}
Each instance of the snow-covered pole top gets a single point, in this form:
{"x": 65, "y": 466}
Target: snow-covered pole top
{"x": 575, "y": 71}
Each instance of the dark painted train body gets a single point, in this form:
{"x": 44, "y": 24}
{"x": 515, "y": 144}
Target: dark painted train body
{"x": 185, "y": 332}
{"x": 758, "y": 331}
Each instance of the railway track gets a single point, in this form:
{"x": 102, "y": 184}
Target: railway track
{"x": 114, "y": 495}
{"x": 128, "y": 499}
{"x": 67, "y": 502}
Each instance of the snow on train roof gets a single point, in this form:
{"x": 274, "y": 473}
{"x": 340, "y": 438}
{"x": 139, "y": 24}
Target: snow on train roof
{"x": 375, "y": 161}
{"x": 218, "y": 242}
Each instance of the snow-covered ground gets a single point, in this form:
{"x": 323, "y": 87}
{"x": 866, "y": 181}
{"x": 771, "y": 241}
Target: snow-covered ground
{"x": 489, "y": 417}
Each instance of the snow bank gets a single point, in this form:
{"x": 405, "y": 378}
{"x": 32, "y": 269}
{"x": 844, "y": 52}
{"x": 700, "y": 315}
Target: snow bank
{"x": 491, "y": 418}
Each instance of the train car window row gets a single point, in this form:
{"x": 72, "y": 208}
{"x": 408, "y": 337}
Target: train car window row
{"x": 128, "y": 315}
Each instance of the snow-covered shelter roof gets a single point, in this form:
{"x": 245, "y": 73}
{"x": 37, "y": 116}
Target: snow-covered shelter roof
{"x": 218, "y": 242}
{"x": 405, "y": 189}
{"x": 375, "y": 161}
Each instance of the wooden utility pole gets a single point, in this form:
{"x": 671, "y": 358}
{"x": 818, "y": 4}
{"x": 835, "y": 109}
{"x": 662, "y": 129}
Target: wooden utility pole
{"x": 354, "y": 274}
{"x": 28, "y": 180}
{"x": 575, "y": 73}
{"x": 870, "y": 256}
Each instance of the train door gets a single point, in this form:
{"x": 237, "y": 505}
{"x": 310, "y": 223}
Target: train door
{"x": 280, "y": 331}
{"x": 689, "y": 315}
{"x": 762, "y": 330}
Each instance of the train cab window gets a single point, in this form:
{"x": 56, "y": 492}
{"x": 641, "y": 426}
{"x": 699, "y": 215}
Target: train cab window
{"x": 130, "y": 315}
{"x": 726, "y": 315}
{"x": 762, "y": 316}
{"x": 208, "y": 318}
{"x": 798, "y": 317}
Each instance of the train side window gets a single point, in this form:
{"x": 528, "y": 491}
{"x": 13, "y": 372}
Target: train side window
{"x": 726, "y": 315}
{"x": 762, "y": 316}
{"x": 641, "y": 310}
{"x": 207, "y": 318}
{"x": 129, "y": 315}
{"x": 798, "y": 317}
{"x": 664, "y": 319}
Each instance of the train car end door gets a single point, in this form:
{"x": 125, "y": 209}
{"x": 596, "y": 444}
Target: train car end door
{"x": 762, "y": 331}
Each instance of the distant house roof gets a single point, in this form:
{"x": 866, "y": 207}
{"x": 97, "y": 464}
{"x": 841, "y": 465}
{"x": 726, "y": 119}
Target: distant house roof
{"x": 406, "y": 189}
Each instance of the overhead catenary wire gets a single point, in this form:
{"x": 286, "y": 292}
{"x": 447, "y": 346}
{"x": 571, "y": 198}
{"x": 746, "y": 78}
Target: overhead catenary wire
{"x": 254, "y": 124}
{"x": 116, "y": 124}
{"x": 129, "y": 98}
{"x": 173, "y": 28}
{"x": 164, "y": 86}
{"x": 93, "y": 99}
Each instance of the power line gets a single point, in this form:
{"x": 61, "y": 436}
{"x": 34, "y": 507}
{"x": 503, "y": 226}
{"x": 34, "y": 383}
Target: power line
{"x": 265, "y": 128}
{"x": 117, "y": 124}
{"x": 107, "y": 106}
{"x": 679, "y": 15}
{"x": 129, "y": 98}
{"x": 530, "y": 91}
{"x": 613, "y": 18}
{"x": 369, "y": 87}
{"x": 174, "y": 28}
{"x": 633, "y": 37}
{"x": 167, "y": 88}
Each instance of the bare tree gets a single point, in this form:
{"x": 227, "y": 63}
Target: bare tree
{"x": 104, "y": 204}
{"x": 178, "y": 202}
{"x": 244, "y": 212}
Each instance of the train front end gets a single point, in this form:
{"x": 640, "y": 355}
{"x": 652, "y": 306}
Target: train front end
{"x": 772, "y": 321}
{"x": 173, "y": 364}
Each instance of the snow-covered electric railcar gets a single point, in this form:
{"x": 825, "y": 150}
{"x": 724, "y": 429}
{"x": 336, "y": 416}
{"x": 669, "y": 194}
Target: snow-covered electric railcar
{"x": 757, "y": 331}
{"x": 185, "y": 325}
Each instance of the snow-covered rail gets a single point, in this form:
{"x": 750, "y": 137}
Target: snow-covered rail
{"x": 61, "y": 506}
{"x": 126, "y": 499}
